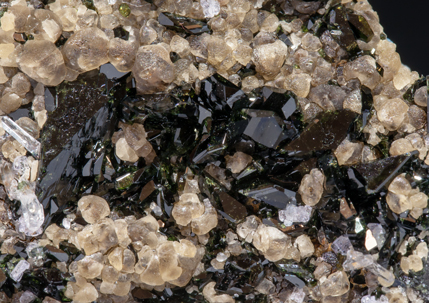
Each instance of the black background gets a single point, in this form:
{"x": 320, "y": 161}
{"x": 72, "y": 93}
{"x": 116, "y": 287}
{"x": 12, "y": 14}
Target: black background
{"x": 406, "y": 23}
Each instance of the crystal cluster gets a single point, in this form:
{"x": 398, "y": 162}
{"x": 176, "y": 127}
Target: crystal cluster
{"x": 214, "y": 150}
{"x": 110, "y": 267}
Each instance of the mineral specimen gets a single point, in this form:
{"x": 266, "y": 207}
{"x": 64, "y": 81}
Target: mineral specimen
{"x": 209, "y": 150}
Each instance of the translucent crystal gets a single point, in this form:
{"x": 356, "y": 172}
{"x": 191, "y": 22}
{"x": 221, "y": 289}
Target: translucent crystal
{"x": 357, "y": 260}
{"x": 305, "y": 246}
{"x": 27, "y": 297}
{"x": 312, "y": 186}
{"x": 335, "y": 285}
{"x": 342, "y": 245}
{"x": 210, "y": 8}
{"x": 19, "y": 269}
{"x": 20, "y": 135}
{"x": 32, "y": 216}
{"x": 385, "y": 277}
{"x": 295, "y": 214}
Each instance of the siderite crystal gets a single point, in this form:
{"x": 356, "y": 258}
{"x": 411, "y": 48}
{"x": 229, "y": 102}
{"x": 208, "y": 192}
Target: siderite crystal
{"x": 312, "y": 186}
{"x": 335, "y": 284}
{"x": 42, "y": 61}
{"x": 93, "y": 208}
{"x": 153, "y": 69}
{"x": 86, "y": 49}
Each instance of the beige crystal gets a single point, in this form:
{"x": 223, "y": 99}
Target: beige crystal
{"x": 42, "y": 61}
{"x": 153, "y": 69}
{"x": 93, "y": 208}
{"x": 312, "y": 186}
{"x": 86, "y": 49}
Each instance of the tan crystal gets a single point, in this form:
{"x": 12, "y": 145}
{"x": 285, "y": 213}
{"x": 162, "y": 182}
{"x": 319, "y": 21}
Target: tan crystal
{"x": 398, "y": 203}
{"x": 421, "y": 250}
{"x": 311, "y": 188}
{"x": 237, "y": 162}
{"x": 86, "y": 49}
{"x": 207, "y": 221}
{"x": 349, "y": 153}
{"x": 93, "y": 208}
{"x": 246, "y": 229}
{"x": 400, "y": 185}
{"x": 400, "y": 147}
{"x": 391, "y": 113}
{"x": 269, "y": 58}
{"x": 180, "y": 46}
{"x": 153, "y": 69}
{"x": 413, "y": 262}
{"x": 115, "y": 258}
{"x": 42, "y": 61}
{"x": 210, "y": 295}
{"x": 87, "y": 293}
{"x": 109, "y": 274}
{"x": 335, "y": 285}
{"x": 121, "y": 229}
{"x": 122, "y": 54}
{"x": 271, "y": 242}
{"x": 168, "y": 261}
{"x": 421, "y": 96}
{"x": 189, "y": 207}
{"x": 364, "y": 69}
{"x": 10, "y": 102}
{"x": 419, "y": 200}
{"x": 124, "y": 151}
{"x": 305, "y": 246}
{"x": 89, "y": 268}
{"x": 404, "y": 76}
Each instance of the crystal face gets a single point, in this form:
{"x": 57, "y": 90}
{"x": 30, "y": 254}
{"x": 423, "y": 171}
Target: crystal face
{"x": 209, "y": 151}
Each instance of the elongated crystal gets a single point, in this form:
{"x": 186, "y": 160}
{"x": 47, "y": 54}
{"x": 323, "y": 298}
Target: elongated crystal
{"x": 20, "y": 135}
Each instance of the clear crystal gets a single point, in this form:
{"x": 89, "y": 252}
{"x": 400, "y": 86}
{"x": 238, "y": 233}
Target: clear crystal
{"x": 19, "y": 269}
{"x": 20, "y": 135}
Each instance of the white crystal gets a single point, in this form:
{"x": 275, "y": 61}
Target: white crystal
{"x": 66, "y": 223}
{"x": 379, "y": 233}
{"x": 295, "y": 214}
{"x": 19, "y": 269}
{"x": 342, "y": 245}
{"x": 210, "y": 8}
{"x": 20, "y": 135}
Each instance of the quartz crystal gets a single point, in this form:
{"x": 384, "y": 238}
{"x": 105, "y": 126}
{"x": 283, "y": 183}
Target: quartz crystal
{"x": 295, "y": 214}
{"x": 19, "y": 134}
{"x": 19, "y": 270}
